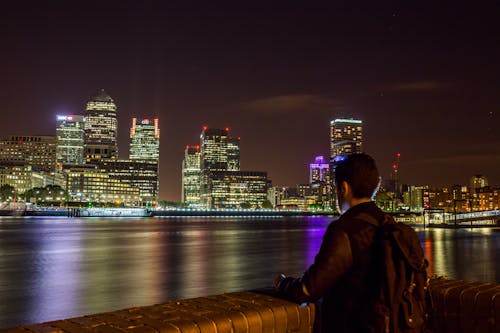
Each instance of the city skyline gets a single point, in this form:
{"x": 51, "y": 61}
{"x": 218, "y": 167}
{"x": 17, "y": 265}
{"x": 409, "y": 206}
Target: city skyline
{"x": 421, "y": 77}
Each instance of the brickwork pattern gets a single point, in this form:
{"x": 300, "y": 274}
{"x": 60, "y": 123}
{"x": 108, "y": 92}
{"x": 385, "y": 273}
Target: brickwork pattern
{"x": 248, "y": 312}
{"x": 465, "y": 307}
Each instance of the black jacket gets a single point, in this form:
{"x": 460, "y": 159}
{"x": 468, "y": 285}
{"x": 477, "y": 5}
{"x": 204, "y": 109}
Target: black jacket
{"x": 343, "y": 273}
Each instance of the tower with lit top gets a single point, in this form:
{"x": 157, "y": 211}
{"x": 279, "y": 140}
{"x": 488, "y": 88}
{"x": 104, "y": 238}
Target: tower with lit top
{"x": 101, "y": 128}
{"x": 191, "y": 194}
{"x": 145, "y": 139}
{"x": 70, "y": 140}
{"x": 219, "y": 151}
{"x": 346, "y": 137}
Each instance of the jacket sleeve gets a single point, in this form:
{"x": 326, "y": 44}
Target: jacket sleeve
{"x": 332, "y": 262}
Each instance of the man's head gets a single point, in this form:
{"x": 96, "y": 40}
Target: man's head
{"x": 356, "y": 180}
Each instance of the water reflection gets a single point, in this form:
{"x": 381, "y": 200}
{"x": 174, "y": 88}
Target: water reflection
{"x": 59, "y": 268}
{"x": 468, "y": 254}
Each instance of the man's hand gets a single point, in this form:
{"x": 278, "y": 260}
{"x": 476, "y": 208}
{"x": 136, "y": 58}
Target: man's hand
{"x": 278, "y": 280}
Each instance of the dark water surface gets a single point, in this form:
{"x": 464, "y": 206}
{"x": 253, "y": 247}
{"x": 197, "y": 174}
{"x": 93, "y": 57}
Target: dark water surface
{"x": 54, "y": 268}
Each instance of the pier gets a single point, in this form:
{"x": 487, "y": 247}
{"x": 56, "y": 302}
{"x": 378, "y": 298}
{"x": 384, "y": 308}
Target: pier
{"x": 458, "y": 306}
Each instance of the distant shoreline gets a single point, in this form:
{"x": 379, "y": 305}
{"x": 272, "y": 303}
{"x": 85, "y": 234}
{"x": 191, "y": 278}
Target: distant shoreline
{"x": 141, "y": 212}
{"x": 145, "y": 213}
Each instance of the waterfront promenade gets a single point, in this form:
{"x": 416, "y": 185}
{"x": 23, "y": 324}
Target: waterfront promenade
{"x": 458, "y": 307}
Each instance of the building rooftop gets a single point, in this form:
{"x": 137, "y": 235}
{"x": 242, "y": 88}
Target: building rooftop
{"x": 101, "y": 96}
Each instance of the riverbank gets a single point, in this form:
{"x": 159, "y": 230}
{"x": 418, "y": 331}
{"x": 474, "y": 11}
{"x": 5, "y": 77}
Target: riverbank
{"x": 144, "y": 212}
{"x": 412, "y": 219}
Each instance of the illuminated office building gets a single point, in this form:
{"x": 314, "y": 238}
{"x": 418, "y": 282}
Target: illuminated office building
{"x": 131, "y": 182}
{"x": 233, "y": 154}
{"x": 319, "y": 170}
{"x": 191, "y": 176}
{"x": 413, "y": 198}
{"x": 219, "y": 151}
{"x": 89, "y": 184}
{"x": 17, "y": 176}
{"x": 145, "y": 139}
{"x": 478, "y": 182}
{"x": 140, "y": 174}
{"x": 70, "y": 140}
{"x": 235, "y": 189}
{"x": 346, "y": 137}
{"x": 320, "y": 181}
{"x": 222, "y": 184}
{"x": 101, "y": 128}
{"x": 39, "y": 151}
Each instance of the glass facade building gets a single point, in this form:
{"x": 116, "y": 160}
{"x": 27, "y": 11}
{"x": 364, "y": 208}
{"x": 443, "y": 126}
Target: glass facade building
{"x": 93, "y": 185}
{"x": 70, "y": 140}
{"x": 221, "y": 183}
{"x": 131, "y": 182}
{"x": 219, "y": 151}
{"x": 145, "y": 139}
{"x": 191, "y": 176}
{"x": 140, "y": 174}
{"x": 101, "y": 128}
{"x": 235, "y": 189}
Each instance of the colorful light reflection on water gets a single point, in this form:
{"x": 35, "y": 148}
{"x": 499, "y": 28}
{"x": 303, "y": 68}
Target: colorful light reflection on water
{"x": 59, "y": 268}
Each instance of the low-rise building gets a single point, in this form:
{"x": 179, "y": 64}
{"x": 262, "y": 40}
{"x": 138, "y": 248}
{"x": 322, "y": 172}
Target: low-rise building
{"x": 18, "y": 176}
{"x": 38, "y": 151}
{"x": 235, "y": 189}
{"x": 93, "y": 185}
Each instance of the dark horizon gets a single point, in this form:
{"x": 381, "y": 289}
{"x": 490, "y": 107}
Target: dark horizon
{"x": 423, "y": 78}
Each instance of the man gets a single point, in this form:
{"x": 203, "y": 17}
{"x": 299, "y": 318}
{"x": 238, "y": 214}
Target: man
{"x": 344, "y": 275}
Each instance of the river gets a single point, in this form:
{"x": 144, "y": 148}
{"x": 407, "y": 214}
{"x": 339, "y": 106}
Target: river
{"x": 54, "y": 268}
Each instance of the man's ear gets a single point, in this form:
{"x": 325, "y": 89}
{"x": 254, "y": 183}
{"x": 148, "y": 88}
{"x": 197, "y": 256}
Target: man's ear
{"x": 344, "y": 187}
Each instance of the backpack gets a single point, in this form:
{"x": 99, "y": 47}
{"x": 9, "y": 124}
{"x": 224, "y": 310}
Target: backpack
{"x": 400, "y": 303}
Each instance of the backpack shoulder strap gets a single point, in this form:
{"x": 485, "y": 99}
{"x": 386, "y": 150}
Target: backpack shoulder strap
{"x": 367, "y": 218}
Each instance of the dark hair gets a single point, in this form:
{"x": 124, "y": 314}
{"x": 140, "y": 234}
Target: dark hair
{"x": 359, "y": 171}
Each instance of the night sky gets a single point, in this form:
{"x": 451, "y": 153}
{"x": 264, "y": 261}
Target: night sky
{"x": 424, "y": 78}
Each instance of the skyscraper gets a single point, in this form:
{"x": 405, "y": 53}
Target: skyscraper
{"x": 70, "y": 140}
{"x": 145, "y": 139}
{"x": 221, "y": 183}
{"x": 233, "y": 154}
{"x": 346, "y": 137}
{"x": 218, "y": 150}
{"x": 191, "y": 176}
{"x": 101, "y": 128}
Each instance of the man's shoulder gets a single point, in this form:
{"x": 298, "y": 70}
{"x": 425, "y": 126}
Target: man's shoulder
{"x": 361, "y": 216}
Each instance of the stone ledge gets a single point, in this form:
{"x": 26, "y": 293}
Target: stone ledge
{"x": 464, "y": 306}
{"x": 250, "y": 312}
